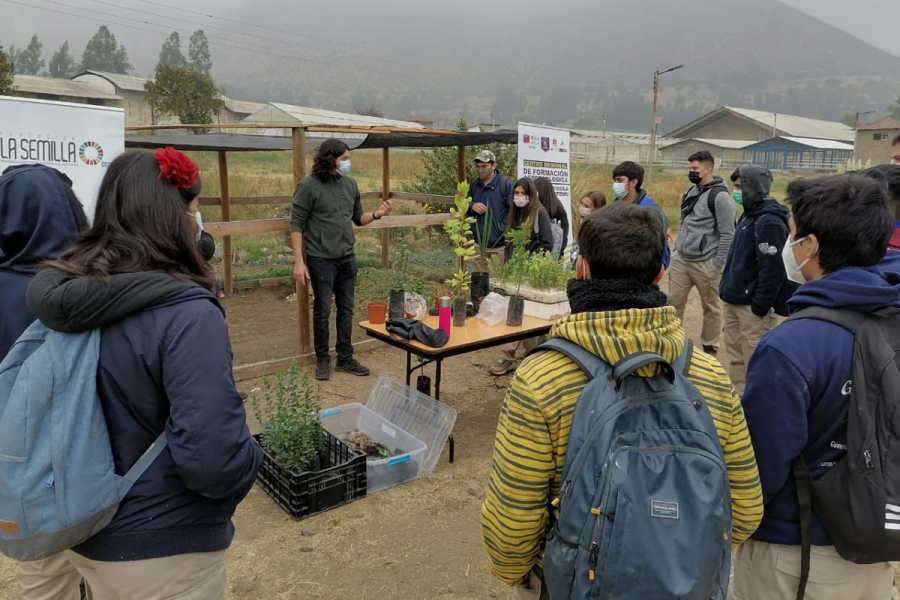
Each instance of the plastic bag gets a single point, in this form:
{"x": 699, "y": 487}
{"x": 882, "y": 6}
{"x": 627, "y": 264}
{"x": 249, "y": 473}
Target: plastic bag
{"x": 415, "y": 305}
{"x": 493, "y": 309}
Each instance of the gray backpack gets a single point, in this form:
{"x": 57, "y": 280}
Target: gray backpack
{"x": 644, "y": 505}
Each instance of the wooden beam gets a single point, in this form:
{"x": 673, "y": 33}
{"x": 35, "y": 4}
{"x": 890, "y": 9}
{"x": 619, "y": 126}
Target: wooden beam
{"x": 385, "y": 196}
{"x": 263, "y": 200}
{"x": 423, "y": 198}
{"x": 275, "y": 225}
{"x": 316, "y": 127}
{"x": 270, "y": 367}
{"x": 460, "y": 164}
{"x": 225, "y": 199}
{"x": 298, "y": 137}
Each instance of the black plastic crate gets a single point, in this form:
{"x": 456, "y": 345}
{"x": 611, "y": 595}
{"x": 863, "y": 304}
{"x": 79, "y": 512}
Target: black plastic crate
{"x": 341, "y": 480}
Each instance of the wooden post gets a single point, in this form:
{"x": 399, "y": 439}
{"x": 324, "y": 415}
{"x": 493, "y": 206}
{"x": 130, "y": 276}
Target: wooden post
{"x": 298, "y": 138}
{"x": 460, "y": 164}
{"x": 227, "y": 256}
{"x": 385, "y": 196}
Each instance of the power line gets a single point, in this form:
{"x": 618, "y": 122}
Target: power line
{"x": 293, "y": 33}
{"x": 253, "y": 35}
{"x": 107, "y": 21}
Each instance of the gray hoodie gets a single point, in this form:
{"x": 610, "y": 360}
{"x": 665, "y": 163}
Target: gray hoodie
{"x": 705, "y": 236}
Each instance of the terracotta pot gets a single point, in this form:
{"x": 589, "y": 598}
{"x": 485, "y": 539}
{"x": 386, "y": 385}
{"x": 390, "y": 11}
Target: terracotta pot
{"x": 377, "y": 312}
{"x": 437, "y": 297}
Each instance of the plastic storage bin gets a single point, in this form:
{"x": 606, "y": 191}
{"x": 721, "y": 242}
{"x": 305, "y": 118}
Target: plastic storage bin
{"x": 408, "y": 460}
{"x": 419, "y": 415}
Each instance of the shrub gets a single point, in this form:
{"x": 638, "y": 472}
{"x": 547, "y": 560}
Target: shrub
{"x": 288, "y": 410}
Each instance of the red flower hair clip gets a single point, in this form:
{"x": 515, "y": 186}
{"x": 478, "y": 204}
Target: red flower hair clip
{"x": 177, "y": 167}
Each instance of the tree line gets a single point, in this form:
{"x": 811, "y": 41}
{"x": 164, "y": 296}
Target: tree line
{"x": 182, "y": 86}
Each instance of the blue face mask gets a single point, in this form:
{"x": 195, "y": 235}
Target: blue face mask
{"x": 344, "y": 167}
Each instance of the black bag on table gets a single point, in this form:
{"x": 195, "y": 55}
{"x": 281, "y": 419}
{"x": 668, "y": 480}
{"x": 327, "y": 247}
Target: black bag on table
{"x": 411, "y": 330}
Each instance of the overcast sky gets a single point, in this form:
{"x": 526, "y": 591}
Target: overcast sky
{"x": 874, "y": 21}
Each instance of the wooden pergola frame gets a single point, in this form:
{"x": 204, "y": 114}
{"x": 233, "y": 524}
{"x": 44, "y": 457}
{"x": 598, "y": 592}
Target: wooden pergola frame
{"x": 227, "y": 228}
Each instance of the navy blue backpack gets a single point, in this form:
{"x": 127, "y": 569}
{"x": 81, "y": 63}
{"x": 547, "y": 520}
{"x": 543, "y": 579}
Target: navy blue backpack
{"x": 645, "y": 504}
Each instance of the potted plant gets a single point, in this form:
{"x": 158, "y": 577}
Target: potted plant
{"x": 397, "y": 300}
{"x": 305, "y": 469}
{"x": 459, "y": 228}
{"x": 516, "y": 269}
{"x": 481, "y": 279}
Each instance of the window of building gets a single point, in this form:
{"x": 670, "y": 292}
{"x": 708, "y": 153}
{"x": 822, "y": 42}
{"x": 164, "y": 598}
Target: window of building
{"x": 880, "y": 137}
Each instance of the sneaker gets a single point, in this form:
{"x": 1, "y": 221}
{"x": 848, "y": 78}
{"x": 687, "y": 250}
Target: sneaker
{"x": 323, "y": 370}
{"x": 502, "y": 367}
{"x": 351, "y": 366}
{"x": 711, "y": 350}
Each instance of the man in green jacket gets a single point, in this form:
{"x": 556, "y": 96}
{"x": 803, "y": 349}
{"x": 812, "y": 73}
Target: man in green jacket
{"x": 326, "y": 207}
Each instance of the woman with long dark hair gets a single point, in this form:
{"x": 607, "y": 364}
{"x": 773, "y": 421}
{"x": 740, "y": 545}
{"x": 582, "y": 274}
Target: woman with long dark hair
{"x": 164, "y": 367}
{"x": 526, "y": 210}
{"x": 326, "y": 207}
{"x": 559, "y": 218}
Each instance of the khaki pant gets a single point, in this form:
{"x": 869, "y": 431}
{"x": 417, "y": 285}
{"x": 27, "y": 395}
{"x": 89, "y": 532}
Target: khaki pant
{"x": 772, "y": 572}
{"x": 517, "y": 351}
{"x": 743, "y": 330}
{"x": 53, "y": 578}
{"x": 184, "y": 577}
{"x": 705, "y": 276}
{"x": 496, "y": 255}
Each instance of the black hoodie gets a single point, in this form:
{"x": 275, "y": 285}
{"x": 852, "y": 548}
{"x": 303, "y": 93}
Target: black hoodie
{"x": 754, "y": 274}
{"x": 39, "y": 220}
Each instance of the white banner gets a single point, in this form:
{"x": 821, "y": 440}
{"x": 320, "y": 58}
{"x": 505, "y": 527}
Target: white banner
{"x": 544, "y": 152}
{"x": 79, "y": 140}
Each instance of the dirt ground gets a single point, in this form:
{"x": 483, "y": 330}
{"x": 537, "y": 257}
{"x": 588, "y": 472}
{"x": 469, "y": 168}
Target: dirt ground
{"x": 419, "y": 541}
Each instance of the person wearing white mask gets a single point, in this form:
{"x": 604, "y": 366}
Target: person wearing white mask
{"x": 592, "y": 201}
{"x": 628, "y": 179}
{"x": 326, "y": 206}
{"x": 526, "y": 208}
{"x": 752, "y": 287}
{"x": 802, "y": 390}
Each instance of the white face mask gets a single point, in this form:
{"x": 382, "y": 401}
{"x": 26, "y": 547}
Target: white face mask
{"x": 196, "y": 216}
{"x": 584, "y": 211}
{"x": 521, "y": 201}
{"x": 794, "y": 271}
{"x": 895, "y": 162}
{"x": 620, "y": 190}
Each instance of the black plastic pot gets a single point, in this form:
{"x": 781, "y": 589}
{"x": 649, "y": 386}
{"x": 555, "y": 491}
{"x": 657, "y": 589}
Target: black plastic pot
{"x": 459, "y": 312}
{"x": 481, "y": 286}
{"x": 516, "y": 311}
{"x": 397, "y": 306}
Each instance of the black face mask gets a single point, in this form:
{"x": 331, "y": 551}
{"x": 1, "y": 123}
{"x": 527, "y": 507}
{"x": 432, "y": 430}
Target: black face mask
{"x": 695, "y": 177}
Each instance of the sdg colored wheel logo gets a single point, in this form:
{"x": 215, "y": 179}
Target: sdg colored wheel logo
{"x": 90, "y": 153}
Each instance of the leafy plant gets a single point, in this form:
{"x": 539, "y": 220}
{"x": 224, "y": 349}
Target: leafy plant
{"x": 547, "y": 273}
{"x": 7, "y": 74}
{"x": 459, "y": 227}
{"x": 486, "y": 230}
{"x": 516, "y": 268}
{"x": 288, "y": 410}
{"x": 400, "y": 255}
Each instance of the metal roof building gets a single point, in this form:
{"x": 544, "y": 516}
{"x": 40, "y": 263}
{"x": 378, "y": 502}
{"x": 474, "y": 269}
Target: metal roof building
{"x": 730, "y": 123}
{"x": 797, "y": 154}
{"x": 726, "y": 152}
{"x": 64, "y": 90}
{"x": 288, "y": 113}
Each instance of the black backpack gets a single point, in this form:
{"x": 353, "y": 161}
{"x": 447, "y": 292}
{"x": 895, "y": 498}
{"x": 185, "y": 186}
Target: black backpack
{"x": 858, "y": 499}
{"x": 688, "y": 204}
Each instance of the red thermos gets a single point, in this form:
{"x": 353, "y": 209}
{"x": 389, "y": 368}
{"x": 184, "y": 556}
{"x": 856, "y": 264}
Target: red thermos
{"x": 444, "y": 314}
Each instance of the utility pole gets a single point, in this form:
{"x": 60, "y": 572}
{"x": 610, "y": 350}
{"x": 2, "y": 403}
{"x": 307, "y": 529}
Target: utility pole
{"x": 775, "y": 126}
{"x": 860, "y": 114}
{"x": 604, "y": 125}
{"x": 653, "y": 122}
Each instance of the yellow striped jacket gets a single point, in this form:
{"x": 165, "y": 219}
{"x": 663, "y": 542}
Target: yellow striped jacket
{"x": 537, "y": 415}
